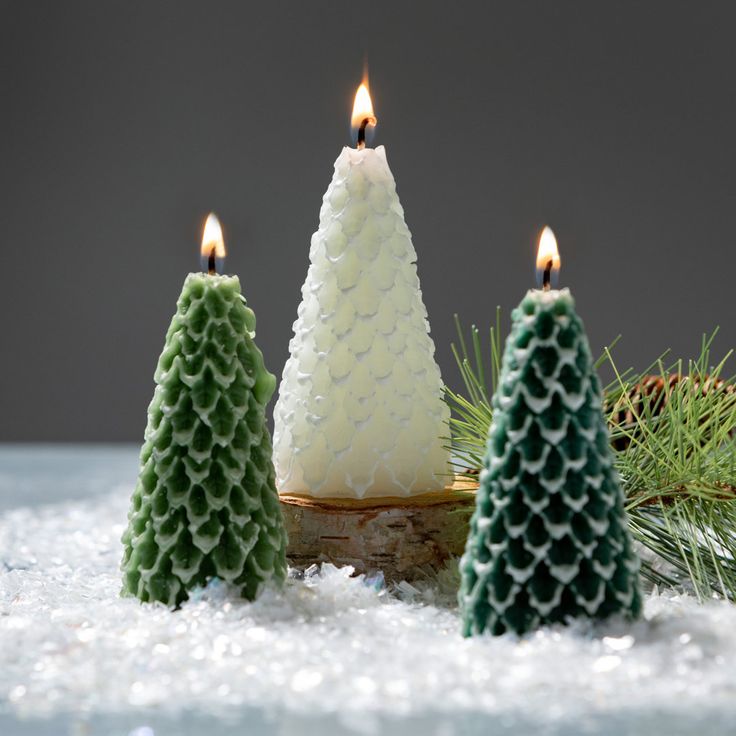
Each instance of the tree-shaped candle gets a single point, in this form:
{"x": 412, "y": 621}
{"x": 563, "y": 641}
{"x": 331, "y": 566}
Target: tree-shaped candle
{"x": 360, "y": 410}
{"x": 205, "y": 505}
{"x": 548, "y": 539}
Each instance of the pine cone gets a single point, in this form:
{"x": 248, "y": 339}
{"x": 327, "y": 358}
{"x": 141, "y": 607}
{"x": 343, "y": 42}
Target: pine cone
{"x": 649, "y": 397}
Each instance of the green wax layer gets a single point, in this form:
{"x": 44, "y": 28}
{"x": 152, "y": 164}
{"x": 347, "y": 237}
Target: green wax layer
{"x": 549, "y": 539}
{"x": 205, "y": 504}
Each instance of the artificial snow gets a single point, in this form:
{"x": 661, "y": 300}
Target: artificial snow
{"x": 330, "y": 653}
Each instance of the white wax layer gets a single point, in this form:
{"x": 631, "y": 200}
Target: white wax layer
{"x": 360, "y": 410}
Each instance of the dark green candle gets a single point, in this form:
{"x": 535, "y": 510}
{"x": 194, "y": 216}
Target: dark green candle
{"x": 205, "y": 504}
{"x": 549, "y": 539}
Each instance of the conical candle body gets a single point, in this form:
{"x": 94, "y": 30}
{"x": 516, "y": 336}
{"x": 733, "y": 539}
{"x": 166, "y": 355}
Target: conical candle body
{"x": 360, "y": 411}
{"x": 549, "y": 539}
{"x": 205, "y": 504}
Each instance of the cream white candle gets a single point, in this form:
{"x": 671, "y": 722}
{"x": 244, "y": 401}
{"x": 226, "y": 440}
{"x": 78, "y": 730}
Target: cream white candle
{"x": 360, "y": 410}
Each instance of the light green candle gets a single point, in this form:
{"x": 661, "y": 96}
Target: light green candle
{"x": 549, "y": 539}
{"x": 205, "y": 505}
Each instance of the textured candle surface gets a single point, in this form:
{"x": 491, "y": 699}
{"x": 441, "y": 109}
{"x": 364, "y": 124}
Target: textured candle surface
{"x": 548, "y": 539}
{"x": 205, "y": 504}
{"x": 360, "y": 410}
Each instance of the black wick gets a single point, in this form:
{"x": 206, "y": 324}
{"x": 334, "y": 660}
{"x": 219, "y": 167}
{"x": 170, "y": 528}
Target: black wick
{"x": 361, "y": 131}
{"x": 211, "y": 267}
{"x": 547, "y": 277}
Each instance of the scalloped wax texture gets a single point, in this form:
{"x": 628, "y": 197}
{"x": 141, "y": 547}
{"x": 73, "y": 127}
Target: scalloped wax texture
{"x": 548, "y": 539}
{"x": 205, "y": 504}
{"x": 360, "y": 410}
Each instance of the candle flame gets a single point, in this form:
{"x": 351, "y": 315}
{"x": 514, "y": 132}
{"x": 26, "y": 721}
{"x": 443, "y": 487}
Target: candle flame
{"x": 548, "y": 258}
{"x": 212, "y": 237}
{"x": 362, "y": 111}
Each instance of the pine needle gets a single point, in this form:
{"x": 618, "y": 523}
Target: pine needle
{"x": 678, "y": 466}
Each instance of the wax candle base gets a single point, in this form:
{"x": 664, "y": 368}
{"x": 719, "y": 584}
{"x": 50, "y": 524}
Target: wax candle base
{"x": 404, "y": 538}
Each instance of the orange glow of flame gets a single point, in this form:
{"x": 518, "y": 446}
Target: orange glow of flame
{"x": 547, "y": 253}
{"x": 362, "y": 107}
{"x": 212, "y": 238}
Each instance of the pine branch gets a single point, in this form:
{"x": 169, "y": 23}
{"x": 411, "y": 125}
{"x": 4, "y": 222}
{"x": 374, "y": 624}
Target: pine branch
{"x": 676, "y": 458}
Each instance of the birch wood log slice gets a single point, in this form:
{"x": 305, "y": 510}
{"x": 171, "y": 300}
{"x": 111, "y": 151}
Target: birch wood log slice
{"x": 402, "y": 537}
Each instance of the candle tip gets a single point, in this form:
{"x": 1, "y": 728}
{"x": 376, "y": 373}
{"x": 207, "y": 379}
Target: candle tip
{"x": 213, "y": 245}
{"x": 363, "y": 119}
{"x": 548, "y": 259}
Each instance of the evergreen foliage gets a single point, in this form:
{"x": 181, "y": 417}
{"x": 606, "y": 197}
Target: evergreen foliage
{"x": 677, "y": 465}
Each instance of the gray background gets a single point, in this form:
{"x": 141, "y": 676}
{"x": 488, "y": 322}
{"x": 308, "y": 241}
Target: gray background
{"x": 123, "y": 123}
